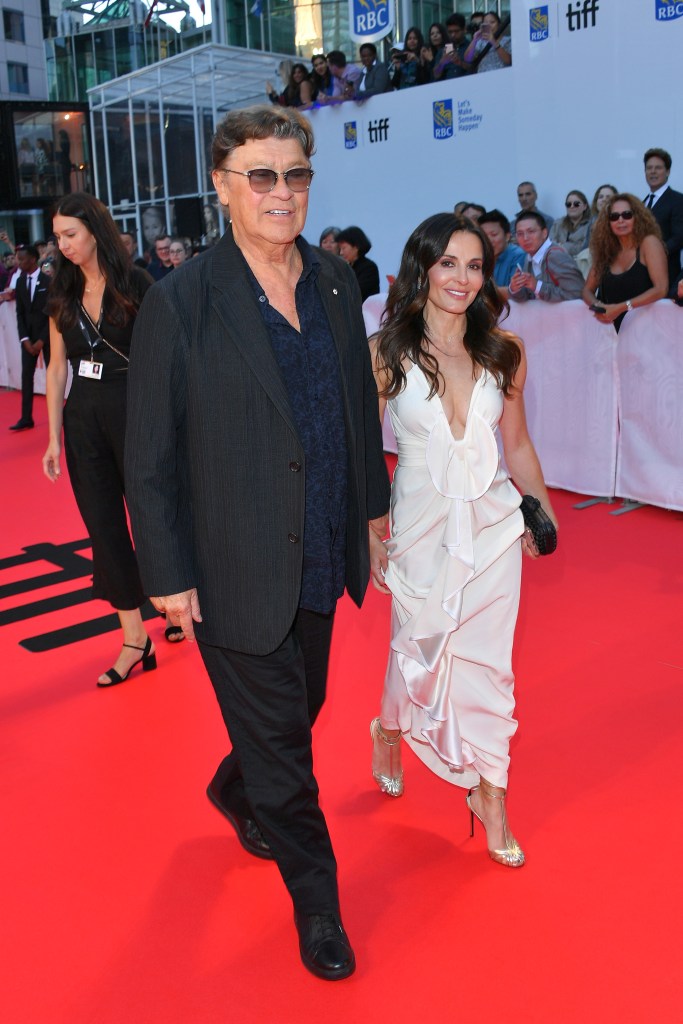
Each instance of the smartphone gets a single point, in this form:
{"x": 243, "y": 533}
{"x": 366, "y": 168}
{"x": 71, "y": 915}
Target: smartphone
{"x": 597, "y": 309}
{"x": 520, "y": 268}
{"x": 448, "y": 48}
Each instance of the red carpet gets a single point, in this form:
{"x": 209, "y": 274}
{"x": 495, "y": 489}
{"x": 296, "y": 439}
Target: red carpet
{"x": 126, "y": 898}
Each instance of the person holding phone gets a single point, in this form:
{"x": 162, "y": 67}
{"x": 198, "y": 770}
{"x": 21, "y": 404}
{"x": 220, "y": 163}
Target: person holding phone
{"x": 629, "y": 267}
{"x": 409, "y": 65}
{"x": 489, "y": 49}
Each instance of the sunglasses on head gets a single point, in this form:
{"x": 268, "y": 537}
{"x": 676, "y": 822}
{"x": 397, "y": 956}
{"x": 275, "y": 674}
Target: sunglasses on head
{"x": 623, "y": 215}
{"x": 573, "y": 203}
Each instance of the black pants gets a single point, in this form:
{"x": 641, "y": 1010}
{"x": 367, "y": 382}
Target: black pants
{"x": 269, "y": 705}
{"x": 28, "y": 369}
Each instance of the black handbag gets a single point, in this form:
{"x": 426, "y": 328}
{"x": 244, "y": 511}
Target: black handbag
{"x": 539, "y": 524}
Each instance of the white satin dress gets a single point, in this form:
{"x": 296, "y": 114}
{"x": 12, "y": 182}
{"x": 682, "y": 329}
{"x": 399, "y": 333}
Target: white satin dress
{"x": 454, "y": 574}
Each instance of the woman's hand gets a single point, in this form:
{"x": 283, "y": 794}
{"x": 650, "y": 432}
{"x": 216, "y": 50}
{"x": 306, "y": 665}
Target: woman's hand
{"x": 51, "y": 462}
{"x": 426, "y": 55}
{"x": 612, "y": 311}
{"x": 529, "y": 544}
{"x": 378, "y": 553}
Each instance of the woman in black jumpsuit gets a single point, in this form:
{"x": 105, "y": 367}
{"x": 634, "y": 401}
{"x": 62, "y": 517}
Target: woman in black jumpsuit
{"x": 95, "y": 296}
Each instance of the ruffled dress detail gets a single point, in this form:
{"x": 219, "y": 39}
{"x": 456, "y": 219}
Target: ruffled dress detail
{"x": 455, "y": 514}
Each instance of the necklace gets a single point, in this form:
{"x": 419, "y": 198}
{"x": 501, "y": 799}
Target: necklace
{"x": 449, "y": 355}
{"x": 95, "y": 287}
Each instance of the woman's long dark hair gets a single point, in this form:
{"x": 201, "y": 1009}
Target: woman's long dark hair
{"x": 420, "y": 39}
{"x": 120, "y": 303}
{"x": 404, "y": 331}
{"x": 293, "y": 90}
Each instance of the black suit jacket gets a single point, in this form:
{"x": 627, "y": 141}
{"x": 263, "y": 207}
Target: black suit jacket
{"x": 215, "y": 470}
{"x": 668, "y": 212}
{"x": 32, "y": 319}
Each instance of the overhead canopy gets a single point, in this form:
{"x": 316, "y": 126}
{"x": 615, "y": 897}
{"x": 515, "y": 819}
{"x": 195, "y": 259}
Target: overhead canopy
{"x": 216, "y": 77}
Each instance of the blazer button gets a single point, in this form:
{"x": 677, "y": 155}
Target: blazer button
{"x": 293, "y": 538}
{"x": 295, "y": 466}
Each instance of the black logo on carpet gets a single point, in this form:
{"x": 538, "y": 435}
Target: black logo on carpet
{"x": 69, "y": 566}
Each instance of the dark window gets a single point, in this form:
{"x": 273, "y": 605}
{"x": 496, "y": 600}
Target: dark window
{"x": 18, "y": 77}
{"x": 14, "y": 26}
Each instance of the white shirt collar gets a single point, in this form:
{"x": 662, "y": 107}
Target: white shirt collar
{"x": 658, "y": 194}
{"x": 537, "y": 258}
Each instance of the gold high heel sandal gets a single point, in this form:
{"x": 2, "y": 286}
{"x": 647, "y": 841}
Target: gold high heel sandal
{"x": 386, "y": 760}
{"x": 513, "y": 855}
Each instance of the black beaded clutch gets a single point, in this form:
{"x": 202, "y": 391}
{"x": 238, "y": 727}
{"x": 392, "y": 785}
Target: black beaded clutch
{"x": 539, "y": 524}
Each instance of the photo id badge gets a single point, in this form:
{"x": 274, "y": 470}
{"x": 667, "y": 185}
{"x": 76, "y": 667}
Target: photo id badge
{"x": 90, "y": 369}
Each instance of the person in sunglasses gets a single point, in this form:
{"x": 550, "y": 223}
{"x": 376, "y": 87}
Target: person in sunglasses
{"x": 629, "y": 266}
{"x": 573, "y": 230}
{"x": 258, "y": 492}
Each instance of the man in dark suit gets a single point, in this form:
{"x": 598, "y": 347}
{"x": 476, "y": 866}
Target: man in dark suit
{"x": 666, "y": 206}
{"x": 33, "y": 326}
{"x": 258, "y": 491}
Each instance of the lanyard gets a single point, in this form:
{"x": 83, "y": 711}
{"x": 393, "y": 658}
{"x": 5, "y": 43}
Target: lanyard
{"x": 96, "y": 328}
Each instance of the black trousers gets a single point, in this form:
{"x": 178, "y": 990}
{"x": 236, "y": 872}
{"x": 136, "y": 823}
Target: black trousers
{"x": 28, "y": 369}
{"x": 269, "y": 705}
{"x": 94, "y": 436}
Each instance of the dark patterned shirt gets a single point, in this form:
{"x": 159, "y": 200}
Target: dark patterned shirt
{"x": 309, "y": 365}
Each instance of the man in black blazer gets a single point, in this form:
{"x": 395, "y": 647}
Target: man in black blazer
{"x": 666, "y": 206}
{"x": 258, "y": 491}
{"x": 33, "y": 326}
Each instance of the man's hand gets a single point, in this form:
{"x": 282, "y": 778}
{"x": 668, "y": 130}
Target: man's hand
{"x": 182, "y": 610}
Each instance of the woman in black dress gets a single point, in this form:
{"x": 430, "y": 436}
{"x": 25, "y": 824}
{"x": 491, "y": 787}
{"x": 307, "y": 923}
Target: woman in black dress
{"x": 94, "y": 299}
{"x": 629, "y": 260}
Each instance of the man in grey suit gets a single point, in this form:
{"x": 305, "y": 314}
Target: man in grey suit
{"x": 549, "y": 272}
{"x": 258, "y": 491}
{"x": 375, "y": 77}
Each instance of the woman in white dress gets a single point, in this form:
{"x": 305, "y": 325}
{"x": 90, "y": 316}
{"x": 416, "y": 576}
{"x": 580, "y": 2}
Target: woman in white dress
{"x": 452, "y": 379}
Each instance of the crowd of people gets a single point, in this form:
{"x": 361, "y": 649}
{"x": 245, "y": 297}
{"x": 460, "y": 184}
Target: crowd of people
{"x": 450, "y": 50}
{"x": 617, "y": 252}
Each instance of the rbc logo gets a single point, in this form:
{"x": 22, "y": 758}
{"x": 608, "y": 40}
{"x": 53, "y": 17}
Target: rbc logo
{"x": 538, "y": 24}
{"x": 350, "y": 135}
{"x": 665, "y": 10}
{"x": 443, "y": 119}
{"x": 370, "y": 18}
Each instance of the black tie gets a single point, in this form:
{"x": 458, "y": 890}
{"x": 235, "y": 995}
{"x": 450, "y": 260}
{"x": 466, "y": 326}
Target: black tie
{"x": 650, "y": 200}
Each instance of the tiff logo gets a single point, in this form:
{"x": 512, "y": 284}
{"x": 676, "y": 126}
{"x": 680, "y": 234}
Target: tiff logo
{"x": 378, "y": 131}
{"x": 580, "y": 12}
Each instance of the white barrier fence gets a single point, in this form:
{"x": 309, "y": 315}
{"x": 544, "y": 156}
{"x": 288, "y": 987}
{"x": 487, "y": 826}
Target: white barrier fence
{"x": 605, "y": 411}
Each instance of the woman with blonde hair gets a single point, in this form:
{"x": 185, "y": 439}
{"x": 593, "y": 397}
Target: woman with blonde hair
{"x": 629, "y": 260}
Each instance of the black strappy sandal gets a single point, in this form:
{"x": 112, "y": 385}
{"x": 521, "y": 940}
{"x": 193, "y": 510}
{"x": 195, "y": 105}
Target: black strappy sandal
{"x": 148, "y": 662}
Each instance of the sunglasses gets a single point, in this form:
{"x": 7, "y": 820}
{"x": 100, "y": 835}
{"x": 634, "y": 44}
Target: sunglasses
{"x": 573, "y": 203}
{"x": 262, "y": 180}
{"x": 624, "y": 215}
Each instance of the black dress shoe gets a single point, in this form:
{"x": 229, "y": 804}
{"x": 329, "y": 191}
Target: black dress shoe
{"x": 22, "y": 425}
{"x": 324, "y": 945}
{"x": 248, "y": 832}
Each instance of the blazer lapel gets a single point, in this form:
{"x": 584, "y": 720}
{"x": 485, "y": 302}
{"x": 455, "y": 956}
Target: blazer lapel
{"x": 237, "y": 308}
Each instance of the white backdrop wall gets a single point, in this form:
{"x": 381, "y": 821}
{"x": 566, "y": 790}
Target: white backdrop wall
{"x": 576, "y": 109}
